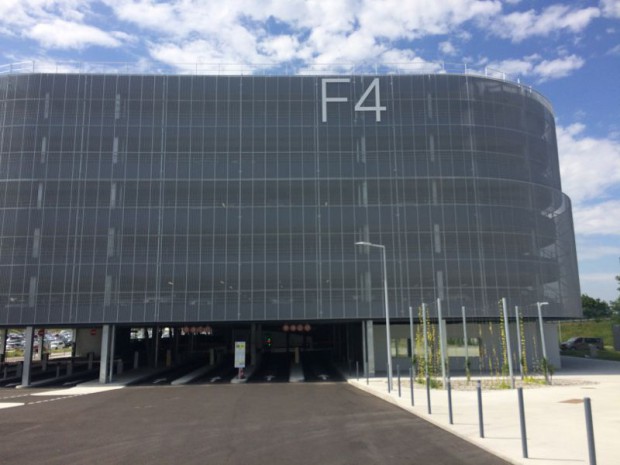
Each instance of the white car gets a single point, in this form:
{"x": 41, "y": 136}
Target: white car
{"x": 56, "y": 344}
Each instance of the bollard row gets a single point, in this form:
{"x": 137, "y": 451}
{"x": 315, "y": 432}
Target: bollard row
{"x": 521, "y": 404}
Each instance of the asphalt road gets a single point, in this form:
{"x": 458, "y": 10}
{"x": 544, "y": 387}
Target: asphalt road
{"x": 313, "y": 423}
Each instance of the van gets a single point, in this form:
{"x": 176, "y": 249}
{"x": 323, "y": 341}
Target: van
{"x": 582, "y": 343}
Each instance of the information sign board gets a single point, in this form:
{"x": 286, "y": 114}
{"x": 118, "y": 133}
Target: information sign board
{"x": 240, "y": 354}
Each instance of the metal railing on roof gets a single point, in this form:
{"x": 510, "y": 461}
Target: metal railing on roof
{"x": 286, "y": 69}
{"x": 263, "y": 69}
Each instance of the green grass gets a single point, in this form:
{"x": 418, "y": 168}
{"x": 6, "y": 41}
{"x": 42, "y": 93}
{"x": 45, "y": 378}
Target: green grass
{"x": 589, "y": 328}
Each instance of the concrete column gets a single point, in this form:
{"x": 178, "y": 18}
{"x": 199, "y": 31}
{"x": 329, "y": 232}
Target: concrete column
{"x": 3, "y": 335}
{"x": 253, "y": 343}
{"x": 29, "y": 336}
{"x": 364, "y": 351}
{"x": 370, "y": 342}
{"x": 156, "y": 354}
{"x": 346, "y": 341}
{"x": 105, "y": 354}
{"x": 177, "y": 333}
{"x": 112, "y": 344}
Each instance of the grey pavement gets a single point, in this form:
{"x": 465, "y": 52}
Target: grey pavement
{"x": 555, "y": 416}
{"x": 279, "y": 423}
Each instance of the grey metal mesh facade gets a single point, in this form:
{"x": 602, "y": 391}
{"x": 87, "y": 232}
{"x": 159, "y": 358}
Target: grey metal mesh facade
{"x": 130, "y": 198}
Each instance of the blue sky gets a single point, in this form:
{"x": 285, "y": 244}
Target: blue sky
{"x": 567, "y": 50}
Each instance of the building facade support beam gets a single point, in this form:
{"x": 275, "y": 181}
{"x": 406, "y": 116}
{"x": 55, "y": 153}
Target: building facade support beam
{"x": 105, "y": 353}
{"x": 29, "y": 340}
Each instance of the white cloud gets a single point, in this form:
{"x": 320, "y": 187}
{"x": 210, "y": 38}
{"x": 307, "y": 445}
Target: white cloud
{"x": 394, "y": 19}
{"x": 15, "y": 14}
{"x": 446, "y": 48}
{"x": 598, "y": 218}
{"x": 349, "y": 31}
{"x": 336, "y": 32}
{"x": 149, "y": 15}
{"x": 614, "y": 50}
{"x": 535, "y": 66}
{"x": 514, "y": 67}
{"x": 592, "y": 250}
{"x": 281, "y": 47}
{"x": 520, "y": 25}
{"x": 598, "y": 277}
{"x": 186, "y": 54}
{"x": 64, "y": 34}
{"x": 54, "y": 23}
{"x": 611, "y": 8}
{"x": 600, "y": 284}
{"x": 560, "y": 67}
{"x": 590, "y": 167}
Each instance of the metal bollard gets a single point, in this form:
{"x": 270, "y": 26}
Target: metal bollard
{"x": 357, "y": 369}
{"x": 398, "y": 373}
{"x": 480, "y": 417}
{"x": 522, "y": 422}
{"x": 411, "y": 385}
{"x": 450, "y": 402}
{"x": 428, "y": 394}
{"x": 590, "y": 430}
{"x": 367, "y": 374}
{"x": 58, "y": 370}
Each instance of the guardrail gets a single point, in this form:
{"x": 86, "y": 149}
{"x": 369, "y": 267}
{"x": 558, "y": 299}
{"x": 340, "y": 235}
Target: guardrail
{"x": 413, "y": 67}
{"x": 264, "y": 69}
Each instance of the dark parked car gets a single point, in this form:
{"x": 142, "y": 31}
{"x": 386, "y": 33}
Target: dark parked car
{"x": 582, "y": 343}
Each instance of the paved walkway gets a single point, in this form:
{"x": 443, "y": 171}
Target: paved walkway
{"x": 555, "y": 417}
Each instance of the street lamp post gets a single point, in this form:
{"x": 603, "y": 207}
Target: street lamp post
{"x": 542, "y": 339}
{"x": 387, "y": 311}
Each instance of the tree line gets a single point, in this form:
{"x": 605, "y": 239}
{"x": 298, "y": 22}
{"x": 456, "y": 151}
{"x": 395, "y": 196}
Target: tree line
{"x": 597, "y": 308}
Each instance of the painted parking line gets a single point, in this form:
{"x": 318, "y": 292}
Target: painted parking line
{"x": 58, "y": 394}
{"x": 51, "y": 400}
{"x": 10, "y": 404}
{"x": 78, "y": 391}
{"x": 2, "y": 399}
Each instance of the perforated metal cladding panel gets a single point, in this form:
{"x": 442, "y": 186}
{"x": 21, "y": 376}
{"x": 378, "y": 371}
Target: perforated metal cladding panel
{"x": 230, "y": 198}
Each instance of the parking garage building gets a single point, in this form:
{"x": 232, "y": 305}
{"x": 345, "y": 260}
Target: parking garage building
{"x": 188, "y": 212}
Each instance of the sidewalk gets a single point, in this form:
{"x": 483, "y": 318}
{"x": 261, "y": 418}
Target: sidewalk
{"x": 555, "y": 417}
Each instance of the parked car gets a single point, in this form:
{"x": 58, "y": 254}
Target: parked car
{"x": 12, "y": 344}
{"x": 582, "y": 343}
{"x": 56, "y": 344}
{"x": 67, "y": 337}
